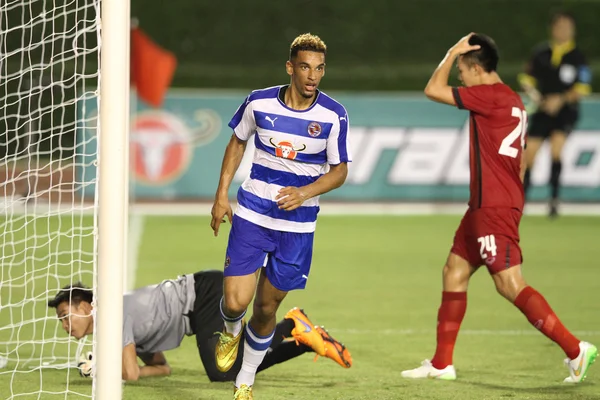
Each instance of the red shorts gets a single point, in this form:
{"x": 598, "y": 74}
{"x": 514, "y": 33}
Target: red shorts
{"x": 489, "y": 236}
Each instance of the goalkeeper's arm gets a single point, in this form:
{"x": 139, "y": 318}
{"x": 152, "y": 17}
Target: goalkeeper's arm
{"x": 155, "y": 364}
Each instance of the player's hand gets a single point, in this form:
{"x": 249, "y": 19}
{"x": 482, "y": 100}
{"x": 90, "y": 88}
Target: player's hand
{"x": 463, "y": 46}
{"x": 220, "y": 209}
{"x": 290, "y": 198}
{"x": 86, "y": 365}
{"x": 552, "y": 104}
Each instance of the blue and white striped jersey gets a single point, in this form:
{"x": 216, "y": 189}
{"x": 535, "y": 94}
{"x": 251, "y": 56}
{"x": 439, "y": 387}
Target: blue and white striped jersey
{"x": 293, "y": 148}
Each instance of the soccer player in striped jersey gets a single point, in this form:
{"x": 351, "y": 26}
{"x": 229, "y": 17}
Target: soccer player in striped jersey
{"x": 156, "y": 318}
{"x": 301, "y": 139}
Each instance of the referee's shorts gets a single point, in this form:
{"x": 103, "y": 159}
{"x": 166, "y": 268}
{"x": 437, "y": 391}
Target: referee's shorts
{"x": 541, "y": 125}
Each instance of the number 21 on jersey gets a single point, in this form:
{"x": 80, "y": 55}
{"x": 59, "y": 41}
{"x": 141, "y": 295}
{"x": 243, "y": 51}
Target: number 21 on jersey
{"x": 506, "y": 148}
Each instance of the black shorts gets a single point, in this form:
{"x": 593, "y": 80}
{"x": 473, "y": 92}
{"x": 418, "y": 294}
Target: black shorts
{"x": 541, "y": 125}
{"x": 209, "y": 290}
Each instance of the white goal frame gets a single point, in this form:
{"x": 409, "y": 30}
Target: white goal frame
{"x": 112, "y": 196}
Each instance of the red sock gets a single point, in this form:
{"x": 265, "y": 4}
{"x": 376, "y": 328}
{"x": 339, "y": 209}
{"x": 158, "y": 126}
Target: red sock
{"x": 450, "y": 315}
{"x": 539, "y": 314}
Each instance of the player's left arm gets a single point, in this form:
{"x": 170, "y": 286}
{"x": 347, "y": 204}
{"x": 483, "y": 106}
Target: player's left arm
{"x": 155, "y": 364}
{"x": 338, "y": 157}
{"x": 290, "y": 198}
{"x": 437, "y": 88}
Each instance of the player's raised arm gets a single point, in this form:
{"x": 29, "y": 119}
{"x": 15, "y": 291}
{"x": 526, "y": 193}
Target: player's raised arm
{"x": 437, "y": 88}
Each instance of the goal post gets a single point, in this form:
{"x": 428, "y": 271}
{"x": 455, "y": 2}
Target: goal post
{"x": 64, "y": 69}
{"x": 113, "y": 193}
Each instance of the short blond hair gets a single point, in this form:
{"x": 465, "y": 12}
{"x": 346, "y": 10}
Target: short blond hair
{"x": 307, "y": 42}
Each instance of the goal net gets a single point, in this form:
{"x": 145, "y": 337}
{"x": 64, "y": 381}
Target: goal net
{"x": 49, "y": 74}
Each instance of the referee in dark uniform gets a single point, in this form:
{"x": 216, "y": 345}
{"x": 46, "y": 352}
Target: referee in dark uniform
{"x": 556, "y": 77}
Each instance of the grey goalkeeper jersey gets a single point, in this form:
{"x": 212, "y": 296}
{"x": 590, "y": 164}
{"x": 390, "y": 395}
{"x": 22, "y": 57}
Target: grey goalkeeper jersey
{"x": 153, "y": 316}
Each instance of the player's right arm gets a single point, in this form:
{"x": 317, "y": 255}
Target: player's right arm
{"x": 437, "y": 88}
{"x": 243, "y": 125}
{"x": 231, "y": 162}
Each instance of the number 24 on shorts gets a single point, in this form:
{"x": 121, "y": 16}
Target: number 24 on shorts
{"x": 487, "y": 246}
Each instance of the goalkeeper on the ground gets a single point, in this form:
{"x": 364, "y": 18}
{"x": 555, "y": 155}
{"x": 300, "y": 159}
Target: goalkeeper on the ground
{"x": 156, "y": 318}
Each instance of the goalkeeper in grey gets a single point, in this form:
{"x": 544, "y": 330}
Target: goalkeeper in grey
{"x": 156, "y": 318}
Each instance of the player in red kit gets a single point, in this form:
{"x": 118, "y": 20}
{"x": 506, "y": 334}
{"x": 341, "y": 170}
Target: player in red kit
{"x": 489, "y": 231}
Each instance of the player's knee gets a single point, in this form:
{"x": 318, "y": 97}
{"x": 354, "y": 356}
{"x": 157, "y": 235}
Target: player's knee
{"x": 235, "y": 304}
{"x": 455, "y": 276}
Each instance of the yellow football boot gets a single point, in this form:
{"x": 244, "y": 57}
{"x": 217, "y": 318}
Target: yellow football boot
{"x": 227, "y": 348}
{"x": 244, "y": 392}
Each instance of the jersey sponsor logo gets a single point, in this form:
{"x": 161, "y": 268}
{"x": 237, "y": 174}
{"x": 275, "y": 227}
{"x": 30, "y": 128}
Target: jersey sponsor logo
{"x": 162, "y": 144}
{"x": 286, "y": 149}
{"x": 272, "y": 121}
{"x": 314, "y": 129}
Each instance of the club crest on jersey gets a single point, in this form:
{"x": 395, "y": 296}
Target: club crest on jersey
{"x": 314, "y": 129}
{"x": 286, "y": 149}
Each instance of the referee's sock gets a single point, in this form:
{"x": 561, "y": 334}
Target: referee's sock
{"x": 555, "y": 179}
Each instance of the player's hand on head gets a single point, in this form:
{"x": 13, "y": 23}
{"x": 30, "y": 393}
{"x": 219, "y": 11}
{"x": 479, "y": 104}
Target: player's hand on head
{"x": 220, "y": 209}
{"x": 290, "y": 198}
{"x": 463, "y": 46}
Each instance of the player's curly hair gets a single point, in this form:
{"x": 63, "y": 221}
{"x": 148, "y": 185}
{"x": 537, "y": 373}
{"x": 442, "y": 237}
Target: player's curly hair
{"x": 73, "y": 294}
{"x": 487, "y": 54}
{"x": 307, "y": 42}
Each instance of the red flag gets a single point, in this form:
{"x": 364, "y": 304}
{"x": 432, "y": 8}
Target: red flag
{"x": 152, "y": 68}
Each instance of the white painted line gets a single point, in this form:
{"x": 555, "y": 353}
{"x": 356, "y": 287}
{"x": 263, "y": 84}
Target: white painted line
{"x": 468, "y": 332}
{"x": 381, "y": 209}
{"x": 202, "y": 208}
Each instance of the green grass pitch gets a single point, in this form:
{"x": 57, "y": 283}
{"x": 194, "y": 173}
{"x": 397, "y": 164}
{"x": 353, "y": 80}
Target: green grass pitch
{"x": 376, "y": 285}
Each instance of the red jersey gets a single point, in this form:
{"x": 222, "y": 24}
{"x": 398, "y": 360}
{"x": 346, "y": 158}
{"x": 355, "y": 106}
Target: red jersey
{"x": 498, "y": 123}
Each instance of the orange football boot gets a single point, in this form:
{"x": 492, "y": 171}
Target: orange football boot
{"x": 305, "y": 332}
{"x": 334, "y": 349}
